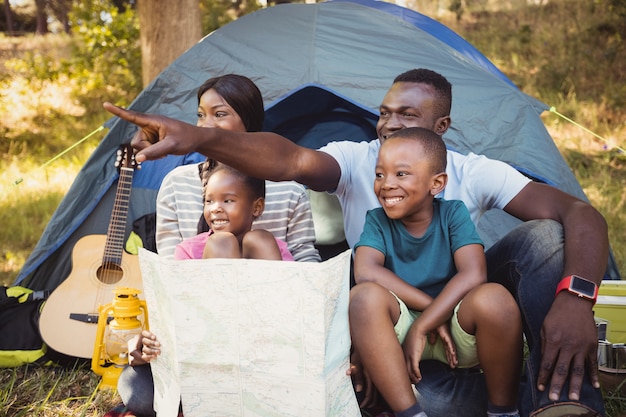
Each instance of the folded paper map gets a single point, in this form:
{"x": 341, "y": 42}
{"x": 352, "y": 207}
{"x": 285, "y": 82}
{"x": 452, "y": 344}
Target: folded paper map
{"x": 250, "y": 338}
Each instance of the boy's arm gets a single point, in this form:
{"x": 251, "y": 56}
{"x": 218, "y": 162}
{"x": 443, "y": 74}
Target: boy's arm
{"x": 471, "y": 272}
{"x": 369, "y": 267}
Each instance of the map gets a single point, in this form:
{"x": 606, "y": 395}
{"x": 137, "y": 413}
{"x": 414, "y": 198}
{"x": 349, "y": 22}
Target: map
{"x": 243, "y": 337}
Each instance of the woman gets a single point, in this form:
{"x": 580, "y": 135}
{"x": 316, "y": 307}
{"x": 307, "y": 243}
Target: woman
{"x": 232, "y": 102}
{"x": 229, "y": 102}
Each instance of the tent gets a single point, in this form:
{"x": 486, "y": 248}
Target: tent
{"x": 323, "y": 70}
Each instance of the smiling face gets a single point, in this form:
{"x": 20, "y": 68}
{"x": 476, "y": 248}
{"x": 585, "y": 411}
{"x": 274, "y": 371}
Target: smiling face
{"x": 214, "y": 111}
{"x": 409, "y": 104}
{"x": 229, "y": 204}
{"x": 406, "y": 181}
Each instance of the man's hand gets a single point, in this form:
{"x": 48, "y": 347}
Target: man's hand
{"x": 569, "y": 342}
{"x": 158, "y": 136}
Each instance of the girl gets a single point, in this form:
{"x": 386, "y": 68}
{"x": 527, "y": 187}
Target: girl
{"x": 232, "y": 201}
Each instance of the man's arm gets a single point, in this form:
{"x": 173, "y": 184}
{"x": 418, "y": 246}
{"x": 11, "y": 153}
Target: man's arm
{"x": 568, "y": 350}
{"x": 584, "y": 228}
{"x": 260, "y": 154}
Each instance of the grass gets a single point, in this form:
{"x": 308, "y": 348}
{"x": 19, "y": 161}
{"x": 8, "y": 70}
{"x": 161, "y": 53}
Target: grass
{"x": 570, "y": 54}
{"x": 30, "y": 194}
{"x": 30, "y": 391}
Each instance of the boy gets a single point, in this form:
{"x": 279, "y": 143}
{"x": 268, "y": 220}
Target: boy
{"x": 419, "y": 268}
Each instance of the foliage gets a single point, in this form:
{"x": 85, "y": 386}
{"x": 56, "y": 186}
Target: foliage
{"x": 217, "y": 13}
{"x": 106, "y": 62}
{"x": 555, "y": 51}
{"x": 61, "y": 88}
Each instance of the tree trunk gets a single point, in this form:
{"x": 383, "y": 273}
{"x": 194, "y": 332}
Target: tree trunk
{"x": 167, "y": 29}
{"x": 41, "y": 17}
{"x": 61, "y": 9}
{"x": 8, "y": 13}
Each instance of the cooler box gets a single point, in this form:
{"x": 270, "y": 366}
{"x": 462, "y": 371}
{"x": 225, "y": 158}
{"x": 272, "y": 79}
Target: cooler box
{"x": 611, "y": 306}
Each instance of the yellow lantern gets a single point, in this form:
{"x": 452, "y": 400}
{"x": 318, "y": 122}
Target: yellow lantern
{"x": 118, "y": 322}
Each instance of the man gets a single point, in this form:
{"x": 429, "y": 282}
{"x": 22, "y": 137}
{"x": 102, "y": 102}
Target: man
{"x": 562, "y": 245}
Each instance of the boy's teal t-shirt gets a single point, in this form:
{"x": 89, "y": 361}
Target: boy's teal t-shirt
{"x": 426, "y": 262}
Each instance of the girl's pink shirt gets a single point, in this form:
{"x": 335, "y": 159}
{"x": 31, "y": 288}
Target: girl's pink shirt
{"x": 193, "y": 247}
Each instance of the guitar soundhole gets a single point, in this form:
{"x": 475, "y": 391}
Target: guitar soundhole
{"x": 110, "y": 273}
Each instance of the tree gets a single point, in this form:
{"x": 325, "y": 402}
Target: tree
{"x": 106, "y": 62}
{"x": 60, "y": 9}
{"x": 41, "y": 17}
{"x": 167, "y": 29}
{"x": 8, "y": 13}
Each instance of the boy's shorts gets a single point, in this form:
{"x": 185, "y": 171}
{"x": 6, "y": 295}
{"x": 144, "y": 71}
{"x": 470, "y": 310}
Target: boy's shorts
{"x": 465, "y": 343}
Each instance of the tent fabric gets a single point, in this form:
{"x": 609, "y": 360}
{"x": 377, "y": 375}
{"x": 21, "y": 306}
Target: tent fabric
{"x": 323, "y": 70}
{"x": 443, "y": 33}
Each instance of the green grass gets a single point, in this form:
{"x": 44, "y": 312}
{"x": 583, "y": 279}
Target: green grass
{"x": 30, "y": 391}
{"x": 29, "y": 195}
{"x": 571, "y": 54}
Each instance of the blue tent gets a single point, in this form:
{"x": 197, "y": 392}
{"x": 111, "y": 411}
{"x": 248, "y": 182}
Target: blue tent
{"x": 323, "y": 70}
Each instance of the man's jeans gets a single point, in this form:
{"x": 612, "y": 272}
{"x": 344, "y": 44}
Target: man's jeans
{"x": 529, "y": 263}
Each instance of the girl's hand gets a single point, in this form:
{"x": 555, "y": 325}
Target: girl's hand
{"x": 143, "y": 348}
{"x": 361, "y": 382}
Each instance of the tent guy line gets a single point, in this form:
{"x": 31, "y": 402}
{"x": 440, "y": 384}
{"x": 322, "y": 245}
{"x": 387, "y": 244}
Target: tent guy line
{"x": 60, "y": 154}
{"x": 606, "y": 141}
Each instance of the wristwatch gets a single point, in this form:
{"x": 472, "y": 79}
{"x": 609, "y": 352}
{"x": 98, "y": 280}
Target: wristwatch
{"x": 579, "y": 286}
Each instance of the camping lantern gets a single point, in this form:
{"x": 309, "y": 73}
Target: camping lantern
{"x": 118, "y": 323}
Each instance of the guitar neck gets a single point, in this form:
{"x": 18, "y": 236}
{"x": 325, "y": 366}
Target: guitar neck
{"x": 117, "y": 226}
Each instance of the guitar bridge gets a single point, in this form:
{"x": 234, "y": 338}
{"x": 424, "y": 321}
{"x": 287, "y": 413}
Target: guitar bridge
{"x": 84, "y": 318}
{"x": 87, "y": 318}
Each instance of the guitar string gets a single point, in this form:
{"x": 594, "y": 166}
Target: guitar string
{"x": 111, "y": 269}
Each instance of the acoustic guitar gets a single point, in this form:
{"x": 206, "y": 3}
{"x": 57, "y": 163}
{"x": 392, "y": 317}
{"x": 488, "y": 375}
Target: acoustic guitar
{"x": 69, "y": 318}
